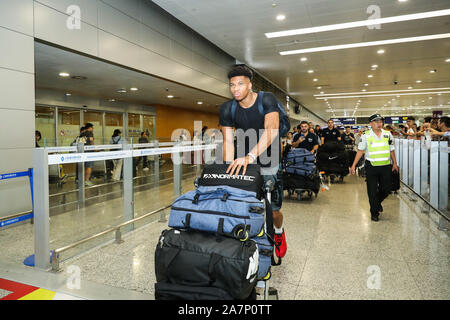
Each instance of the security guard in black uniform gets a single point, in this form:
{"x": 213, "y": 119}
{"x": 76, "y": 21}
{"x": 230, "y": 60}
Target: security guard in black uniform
{"x": 378, "y": 146}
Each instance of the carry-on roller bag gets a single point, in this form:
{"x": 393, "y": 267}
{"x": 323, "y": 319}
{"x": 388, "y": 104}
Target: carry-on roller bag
{"x": 221, "y": 210}
{"x": 197, "y": 260}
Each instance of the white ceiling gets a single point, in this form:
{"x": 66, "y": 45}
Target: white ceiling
{"x": 238, "y": 27}
{"x": 104, "y": 79}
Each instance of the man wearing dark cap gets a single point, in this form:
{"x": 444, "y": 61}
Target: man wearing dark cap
{"x": 378, "y": 146}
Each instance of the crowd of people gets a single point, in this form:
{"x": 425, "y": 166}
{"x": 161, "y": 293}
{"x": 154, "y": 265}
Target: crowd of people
{"x": 309, "y": 136}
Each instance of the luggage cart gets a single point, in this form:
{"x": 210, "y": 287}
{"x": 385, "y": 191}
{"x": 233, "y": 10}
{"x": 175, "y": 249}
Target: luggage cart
{"x": 299, "y": 192}
{"x": 270, "y": 293}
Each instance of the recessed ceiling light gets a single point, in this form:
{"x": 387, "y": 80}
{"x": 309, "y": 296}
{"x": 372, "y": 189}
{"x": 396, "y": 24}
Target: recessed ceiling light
{"x": 366, "y": 84}
{"x": 170, "y": 96}
{"x": 303, "y": 59}
{"x": 121, "y": 91}
{"x": 315, "y": 79}
{"x": 364, "y": 90}
{"x": 402, "y": 0}
{"x": 134, "y": 89}
{"x": 281, "y": 17}
{"x": 318, "y": 88}
{"x": 418, "y": 81}
{"x": 64, "y": 74}
{"x": 68, "y": 94}
{"x": 381, "y": 51}
{"x": 199, "y": 102}
{"x": 433, "y": 71}
{"x": 410, "y": 88}
{"x": 321, "y": 92}
{"x": 447, "y": 60}
{"x": 374, "y": 66}
{"x": 310, "y": 71}
{"x": 370, "y": 76}
{"x": 112, "y": 100}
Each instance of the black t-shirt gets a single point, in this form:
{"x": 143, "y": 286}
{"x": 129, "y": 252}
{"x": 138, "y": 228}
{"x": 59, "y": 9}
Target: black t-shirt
{"x": 346, "y": 138}
{"x": 309, "y": 142}
{"x": 88, "y": 134}
{"x": 250, "y": 118}
{"x": 330, "y": 135}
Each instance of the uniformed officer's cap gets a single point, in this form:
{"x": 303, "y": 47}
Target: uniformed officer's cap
{"x": 375, "y": 117}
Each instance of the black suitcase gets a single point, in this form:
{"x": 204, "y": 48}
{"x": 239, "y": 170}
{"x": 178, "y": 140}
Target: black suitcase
{"x": 196, "y": 260}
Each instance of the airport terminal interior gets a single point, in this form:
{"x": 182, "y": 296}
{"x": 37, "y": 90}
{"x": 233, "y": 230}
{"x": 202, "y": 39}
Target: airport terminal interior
{"x": 113, "y": 109}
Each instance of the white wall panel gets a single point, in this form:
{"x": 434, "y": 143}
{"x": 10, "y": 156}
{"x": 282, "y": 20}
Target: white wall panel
{"x": 88, "y": 8}
{"x": 115, "y": 22}
{"x": 154, "y": 41}
{"x": 16, "y": 90}
{"x": 117, "y": 50}
{"x": 17, "y": 15}
{"x": 15, "y": 195}
{"x": 131, "y": 8}
{"x": 51, "y": 25}
{"x": 16, "y": 129}
{"x": 180, "y": 53}
{"x": 155, "y": 18}
{"x": 18, "y": 54}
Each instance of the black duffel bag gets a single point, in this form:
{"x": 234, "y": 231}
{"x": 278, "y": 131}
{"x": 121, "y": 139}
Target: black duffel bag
{"x": 215, "y": 175}
{"x": 187, "y": 262}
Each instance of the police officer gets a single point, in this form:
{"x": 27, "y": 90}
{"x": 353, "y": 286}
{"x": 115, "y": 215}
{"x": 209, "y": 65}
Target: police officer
{"x": 378, "y": 145}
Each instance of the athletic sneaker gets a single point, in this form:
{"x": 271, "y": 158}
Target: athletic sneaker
{"x": 281, "y": 246}
{"x": 88, "y": 183}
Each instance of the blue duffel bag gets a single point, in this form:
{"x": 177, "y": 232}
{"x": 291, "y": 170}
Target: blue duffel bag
{"x": 265, "y": 250}
{"x": 304, "y": 169}
{"x": 222, "y": 210}
{"x": 299, "y": 156}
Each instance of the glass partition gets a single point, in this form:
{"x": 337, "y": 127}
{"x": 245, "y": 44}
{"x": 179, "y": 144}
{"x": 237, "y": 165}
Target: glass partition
{"x": 134, "y": 127}
{"x": 149, "y": 126}
{"x": 45, "y": 124}
{"x": 112, "y": 121}
{"x": 68, "y": 126}
{"x": 96, "y": 118}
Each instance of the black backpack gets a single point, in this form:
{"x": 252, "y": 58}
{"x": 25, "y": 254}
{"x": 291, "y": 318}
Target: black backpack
{"x": 284, "y": 124}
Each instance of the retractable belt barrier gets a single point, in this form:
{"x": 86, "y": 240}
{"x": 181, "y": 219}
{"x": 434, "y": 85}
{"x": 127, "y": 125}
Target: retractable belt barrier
{"x": 6, "y": 221}
{"x": 43, "y": 157}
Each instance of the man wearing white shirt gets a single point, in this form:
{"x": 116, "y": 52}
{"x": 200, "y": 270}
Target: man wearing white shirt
{"x": 378, "y": 146}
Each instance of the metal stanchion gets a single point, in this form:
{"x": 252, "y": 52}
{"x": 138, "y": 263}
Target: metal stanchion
{"x": 128, "y": 193}
{"x": 443, "y": 183}
{"x": 156, "y": 164}
{"x": 41, "y": 209}
{"x": 80, "y": 166}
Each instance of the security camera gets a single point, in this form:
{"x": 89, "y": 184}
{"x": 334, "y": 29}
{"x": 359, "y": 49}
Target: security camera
{"x": 395, "y": 82}
{"x": 167, "y": 89}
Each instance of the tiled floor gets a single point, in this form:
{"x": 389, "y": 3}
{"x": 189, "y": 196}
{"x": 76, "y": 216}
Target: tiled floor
{"x": 334, "y": 251}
